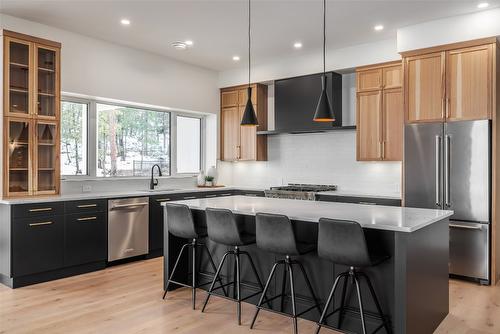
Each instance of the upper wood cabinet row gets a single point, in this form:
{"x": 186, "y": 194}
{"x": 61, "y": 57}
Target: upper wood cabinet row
{"x": 450, "y": 85}
{"x": 31, "y": 94}
{"x": 379, "y": 112}
{"x": 241, "y": 143}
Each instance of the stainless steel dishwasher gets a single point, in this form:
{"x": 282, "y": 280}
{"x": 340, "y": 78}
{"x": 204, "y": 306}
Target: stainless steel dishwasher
{"x": 128, "y": 227}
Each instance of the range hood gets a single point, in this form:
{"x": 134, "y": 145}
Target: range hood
{"x": 295, "y": 102}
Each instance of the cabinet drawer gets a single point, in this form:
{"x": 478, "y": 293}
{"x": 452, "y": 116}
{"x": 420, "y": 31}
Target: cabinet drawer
{"x": 360, "y": 200}
{"x": 84, "y": 238}
{"x": 37, "y": 209}
{"x": 37, "y": 245}
{"x": 92, "y": 205}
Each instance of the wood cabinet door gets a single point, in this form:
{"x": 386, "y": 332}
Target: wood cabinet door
{"x": 424, "y": 77}
{"x": 248, "y": 139}
{"x": 369, "y": 125}
{"x": 393, "y": 110}
{"x": 229, "y": 99}
{"x": 469, "y": 83}
{"x": 46, "y": 163}
{"x": 392, "y": 77}
{"x": 370, "y": 79}
{"x": 230, "y": 139}
{"x": 18, "y": 156}
{"x": 243, "y": 96}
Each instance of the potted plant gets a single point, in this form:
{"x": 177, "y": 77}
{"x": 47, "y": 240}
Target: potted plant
{"x": 209, "y": 181}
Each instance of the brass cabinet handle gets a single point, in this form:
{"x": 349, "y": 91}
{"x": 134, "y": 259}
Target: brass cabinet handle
{"x": 40, "y": 209}
{"x": 189, "y": 197}
{"x": 448, "y": 108}
{"x": 367, "y": 203}
{"x": 87, "y": 206}
{"x": 163, "y": 199}
{"x": 209, "y": 196}
{"x": 86, "y": 218}
{"x": 383, "y": 150}
{"x": 40, "y": 224}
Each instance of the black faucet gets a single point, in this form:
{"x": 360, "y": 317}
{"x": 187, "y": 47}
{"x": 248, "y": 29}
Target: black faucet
{"x": 154, "y": 182}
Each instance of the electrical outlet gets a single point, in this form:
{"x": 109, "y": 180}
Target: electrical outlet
{"x": 86, "y": 188}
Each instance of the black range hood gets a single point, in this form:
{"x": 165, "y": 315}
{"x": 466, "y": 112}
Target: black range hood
{"x": 295, "y": 102}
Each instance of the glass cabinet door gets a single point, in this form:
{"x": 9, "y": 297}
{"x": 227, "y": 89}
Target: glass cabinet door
{"x": 18, "y": 58}
{"x": 46, "y": 157}
{"x": 46, "y": 81}
{"x": 19, "y": 159}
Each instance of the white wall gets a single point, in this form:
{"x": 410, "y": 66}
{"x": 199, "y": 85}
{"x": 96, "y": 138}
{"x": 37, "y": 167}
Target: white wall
{"x": 449, "y": 30}
{"x": 96, "y": 68}
{"x": 339, "y": 59}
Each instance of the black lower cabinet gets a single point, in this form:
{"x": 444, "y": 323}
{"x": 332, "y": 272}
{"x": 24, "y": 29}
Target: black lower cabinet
{"x": 156, "y": 220}
{"x": 84, "y": 238}
{"x": 37, "y": 245}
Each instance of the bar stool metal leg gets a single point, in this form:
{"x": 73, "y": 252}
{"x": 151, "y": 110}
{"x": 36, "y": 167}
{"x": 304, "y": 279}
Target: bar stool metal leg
{"x": 193, "y": 289}
{"x": 377, "y": 304}
{"x": 343, "y": 302}
{"x": 238, "y": 288}
{"x": 266, "y": 287}
{"x": 173, "y": 270}
{"x": 214, "y": 267}
{"x": 360, "y": 302}
{"x": 283, "y": 289}
{"x": 209, "y": 292}
{"x": 328, "y": 301}
{"x": 292, "y": 292}
{"x": 309, "y": 286}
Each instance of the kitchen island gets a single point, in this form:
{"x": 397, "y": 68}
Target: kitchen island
{"x": 412, "y": 285}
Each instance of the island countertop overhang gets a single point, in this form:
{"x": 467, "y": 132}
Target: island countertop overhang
{"x": 398, "y": 219}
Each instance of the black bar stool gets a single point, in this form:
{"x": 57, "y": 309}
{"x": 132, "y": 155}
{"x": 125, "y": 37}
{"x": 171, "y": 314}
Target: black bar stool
{"x": 181, "y": 224}
{"x": 275, "y": 234}
{"x": 227, "y": 229}
{"x": 343, "y": 242}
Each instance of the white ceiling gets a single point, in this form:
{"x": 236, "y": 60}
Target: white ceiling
{"x": 218, "y": 27}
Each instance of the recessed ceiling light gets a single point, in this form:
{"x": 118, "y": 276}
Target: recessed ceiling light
{"x": 125, "y": 22}
{"x": 378, "y": 27}
{"x": 297, "y": 45}
{"x": 189, "y": 42}
{"x": 179, "y": 45}
{"x": 236, "y": 58}
{"x": 483, "y": 5}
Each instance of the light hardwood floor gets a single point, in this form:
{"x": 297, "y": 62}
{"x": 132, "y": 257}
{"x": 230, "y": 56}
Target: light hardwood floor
{"x": 127, "y": 299}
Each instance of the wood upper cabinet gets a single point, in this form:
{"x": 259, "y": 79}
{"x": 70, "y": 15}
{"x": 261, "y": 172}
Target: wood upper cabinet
{"x": 424, "y": 78}
{"x": 229, "y": 99}
{"x": 230, "y": 133}
{"x": 31, "y": 119}
{"x": 392, "y": 115}
{"x": 379, "y": 113}
{"x": 469, "y": 83}
{"x": 451, "y": 85}
{"x": 369, "y": 125}
{"x": 369, "y": 79}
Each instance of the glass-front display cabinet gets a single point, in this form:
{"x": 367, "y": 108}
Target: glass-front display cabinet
{"x": 31, "y": 115}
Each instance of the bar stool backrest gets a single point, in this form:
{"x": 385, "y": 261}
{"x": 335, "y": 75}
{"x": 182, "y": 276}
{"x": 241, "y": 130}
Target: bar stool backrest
{"x": 180, "y": 221}
{"x": 275, "y": 234}
{"x": 343, "y": 242}
{"x": 223, "y": 227}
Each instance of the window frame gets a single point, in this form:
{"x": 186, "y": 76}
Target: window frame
{"x": 71, "y": 99}
{"x": 92, "y": 138}
{"x": 201, "y": 143}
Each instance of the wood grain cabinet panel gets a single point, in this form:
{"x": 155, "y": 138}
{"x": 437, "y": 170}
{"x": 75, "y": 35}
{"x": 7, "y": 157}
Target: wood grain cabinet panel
{"x": 230, "y": 126}
{"x": 425, "y": 87}
{"x": 370, "y": 79}
{"x": 469, "y": 83}
{"x": 242, "y": 142}
{"x": 392, "y": 76}
{"x": 229, "y": 99}
{"x": 369, "y": 125}
{"x": 392, "y": 149}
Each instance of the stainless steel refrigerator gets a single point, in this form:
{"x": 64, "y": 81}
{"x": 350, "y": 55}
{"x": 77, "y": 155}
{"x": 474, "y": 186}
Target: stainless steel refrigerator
{"x": 448, "y": 166}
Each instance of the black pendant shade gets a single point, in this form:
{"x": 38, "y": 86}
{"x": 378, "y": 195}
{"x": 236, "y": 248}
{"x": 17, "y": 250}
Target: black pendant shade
{"x": 324, "y": 111}
{"x": 249, "y": 117}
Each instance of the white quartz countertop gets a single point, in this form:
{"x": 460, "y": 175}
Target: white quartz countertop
{"x": 399, "y": 219}
{"x": 115, "y": 194}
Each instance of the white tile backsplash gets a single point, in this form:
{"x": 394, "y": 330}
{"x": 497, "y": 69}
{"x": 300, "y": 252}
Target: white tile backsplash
{"x": 322, "y": 158}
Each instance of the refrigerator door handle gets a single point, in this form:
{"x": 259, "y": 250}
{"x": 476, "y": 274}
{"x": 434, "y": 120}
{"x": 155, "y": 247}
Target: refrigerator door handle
{"x": 447, "y": 144}
{"x": 437, "y": 171}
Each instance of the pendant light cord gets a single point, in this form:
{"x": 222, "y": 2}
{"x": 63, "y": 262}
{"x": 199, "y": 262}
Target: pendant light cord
{"x": 249, "y": 12}
{"x": 324, "y": 36}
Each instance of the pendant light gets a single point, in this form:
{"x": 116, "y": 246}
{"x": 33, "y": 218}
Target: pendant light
{"x": 324, "y": 111}
{"x": 249, "y": 117}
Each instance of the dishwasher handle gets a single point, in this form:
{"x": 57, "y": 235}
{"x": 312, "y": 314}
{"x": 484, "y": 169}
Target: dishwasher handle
{"x": 131, "y": 205}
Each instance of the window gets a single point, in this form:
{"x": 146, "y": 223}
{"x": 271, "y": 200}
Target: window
{"x": 74, "y": 138}
{"x": 188, "y": 144}
{"x": 131, "y": 140}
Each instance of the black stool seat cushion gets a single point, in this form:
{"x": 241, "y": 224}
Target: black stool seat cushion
{"x": 226, "y": 228}
{"x": 275, "y": 234}
{"x": 181, "y": 224}
{"x": 344, "y": 242}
